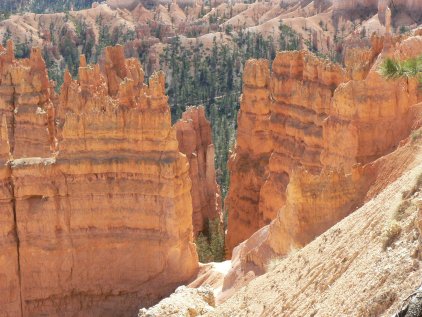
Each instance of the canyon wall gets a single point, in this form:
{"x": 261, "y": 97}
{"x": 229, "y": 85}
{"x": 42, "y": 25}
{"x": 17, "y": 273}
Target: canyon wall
{"x": 249, "y": 163}
{"x": 327, "y": 132}
{"x": 10, "y": 300}
{"x": 319, "y": 121}
{"x": 96, "y": 209}
{"x": 194, "y": 136}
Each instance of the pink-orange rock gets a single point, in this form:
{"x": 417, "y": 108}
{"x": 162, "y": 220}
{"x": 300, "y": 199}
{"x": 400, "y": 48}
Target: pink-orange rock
{"x": 10, "y": 301}
{"x": 359, "y": 60}
{"x": 249, "y": 163}
{"x": 102, "y": 223}
{"x": 326, "y": 132}
{"x": 294, "y": 104}
{"x": 353, "y": 7}
{"x": 195, "y": 141}
{"x": 25, "y": 100}
{"x": 319, "y": 119}
{"x": 314, "y": 203}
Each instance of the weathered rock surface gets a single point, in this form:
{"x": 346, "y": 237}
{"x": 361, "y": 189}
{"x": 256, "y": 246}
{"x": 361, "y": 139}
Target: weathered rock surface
{"x": 10, "y": 301}
{"x": 325, "y": 130}
{"x": 296, "y": 102}
{"x": 346, "y": 271}
{"x": 25, "y": 101}
{"x": 194, "y": 136}
{"x": 98, "y": 223}
{"x": 316, "y": 119}
{"x": 249, "y": 163}
{"x": 211, "y": 274}
{"x": 183, "y": 302}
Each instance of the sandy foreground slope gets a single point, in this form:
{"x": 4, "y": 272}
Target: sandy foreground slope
{"x": 366, "y": 265}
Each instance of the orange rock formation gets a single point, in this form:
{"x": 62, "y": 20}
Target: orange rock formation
{"x": 317, "y": 120}
{"x": 195, "y": 140}
{"x": 95, "y": 201}
{"x": 10, "y": 299}
{"x": 249, "y": 163}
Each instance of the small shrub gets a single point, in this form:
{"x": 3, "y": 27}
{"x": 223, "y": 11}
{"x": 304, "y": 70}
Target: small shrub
{"x": 391, "y": 233}
{"x": 416, "y": 188}
{"x": 203, "y": 249}
{"x": 401, "y": 209}
{"x": 416, "y": 135}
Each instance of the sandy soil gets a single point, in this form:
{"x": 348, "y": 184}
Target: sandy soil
{"x": 366, "y": 265}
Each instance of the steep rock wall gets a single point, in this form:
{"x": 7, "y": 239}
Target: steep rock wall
{"x": 194, "y": 136}
{"x": 104, "y": 223}
{"x": 297, "y": 98}
{"x": 319, "y": 120}
{"x": 249, "y": 164}
{"x": 25, "y": 101}
{"x": 10, "y": 300}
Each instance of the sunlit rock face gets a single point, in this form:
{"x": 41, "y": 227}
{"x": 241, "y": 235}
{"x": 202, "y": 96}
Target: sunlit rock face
{"x": 194, "y": 136}
{"x": 316, "y": 116}
{"x": 286, "y": 119}
{"x": 249, "y": 163}
{"x": 96, "y": 211}
{"x": 327, "y": 129}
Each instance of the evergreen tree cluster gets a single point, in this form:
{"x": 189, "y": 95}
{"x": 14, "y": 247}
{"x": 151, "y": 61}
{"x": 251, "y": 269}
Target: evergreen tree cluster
{"x": 210, "y": 243}
{"x": 212, "y": 77}
{"x": 289, "y": 40}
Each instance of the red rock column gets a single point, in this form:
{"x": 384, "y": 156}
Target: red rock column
{"x": 195, "y": 141}
{"x": 248, "y": 164}
{"x": 10, "y": 299}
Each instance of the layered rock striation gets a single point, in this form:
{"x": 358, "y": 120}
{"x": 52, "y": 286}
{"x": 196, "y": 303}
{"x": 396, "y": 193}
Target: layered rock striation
{"x": 10, "y": 299}
{"x": 96, "y": 207}
{"x": 249, "y": 162}
{"x": 194, "y": 136}
{"x": 295, "y": 103}
{"x": 321, "y": 126}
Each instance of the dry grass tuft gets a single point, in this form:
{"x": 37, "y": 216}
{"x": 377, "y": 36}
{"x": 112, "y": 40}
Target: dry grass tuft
{"x": 400, "y": 212}
{"x": 391, "y": 233}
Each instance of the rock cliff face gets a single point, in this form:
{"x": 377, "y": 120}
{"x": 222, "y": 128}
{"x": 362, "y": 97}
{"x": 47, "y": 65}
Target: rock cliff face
{"x": 10, "y": 300}
{"x": 195, "y": 141}
{"x": 25, "y": 101}
{"x": 249, "y": 163}
{"x": 295, "y": 104}
{"x": 96, "y": 207}
{"x": 322, "y": 123}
